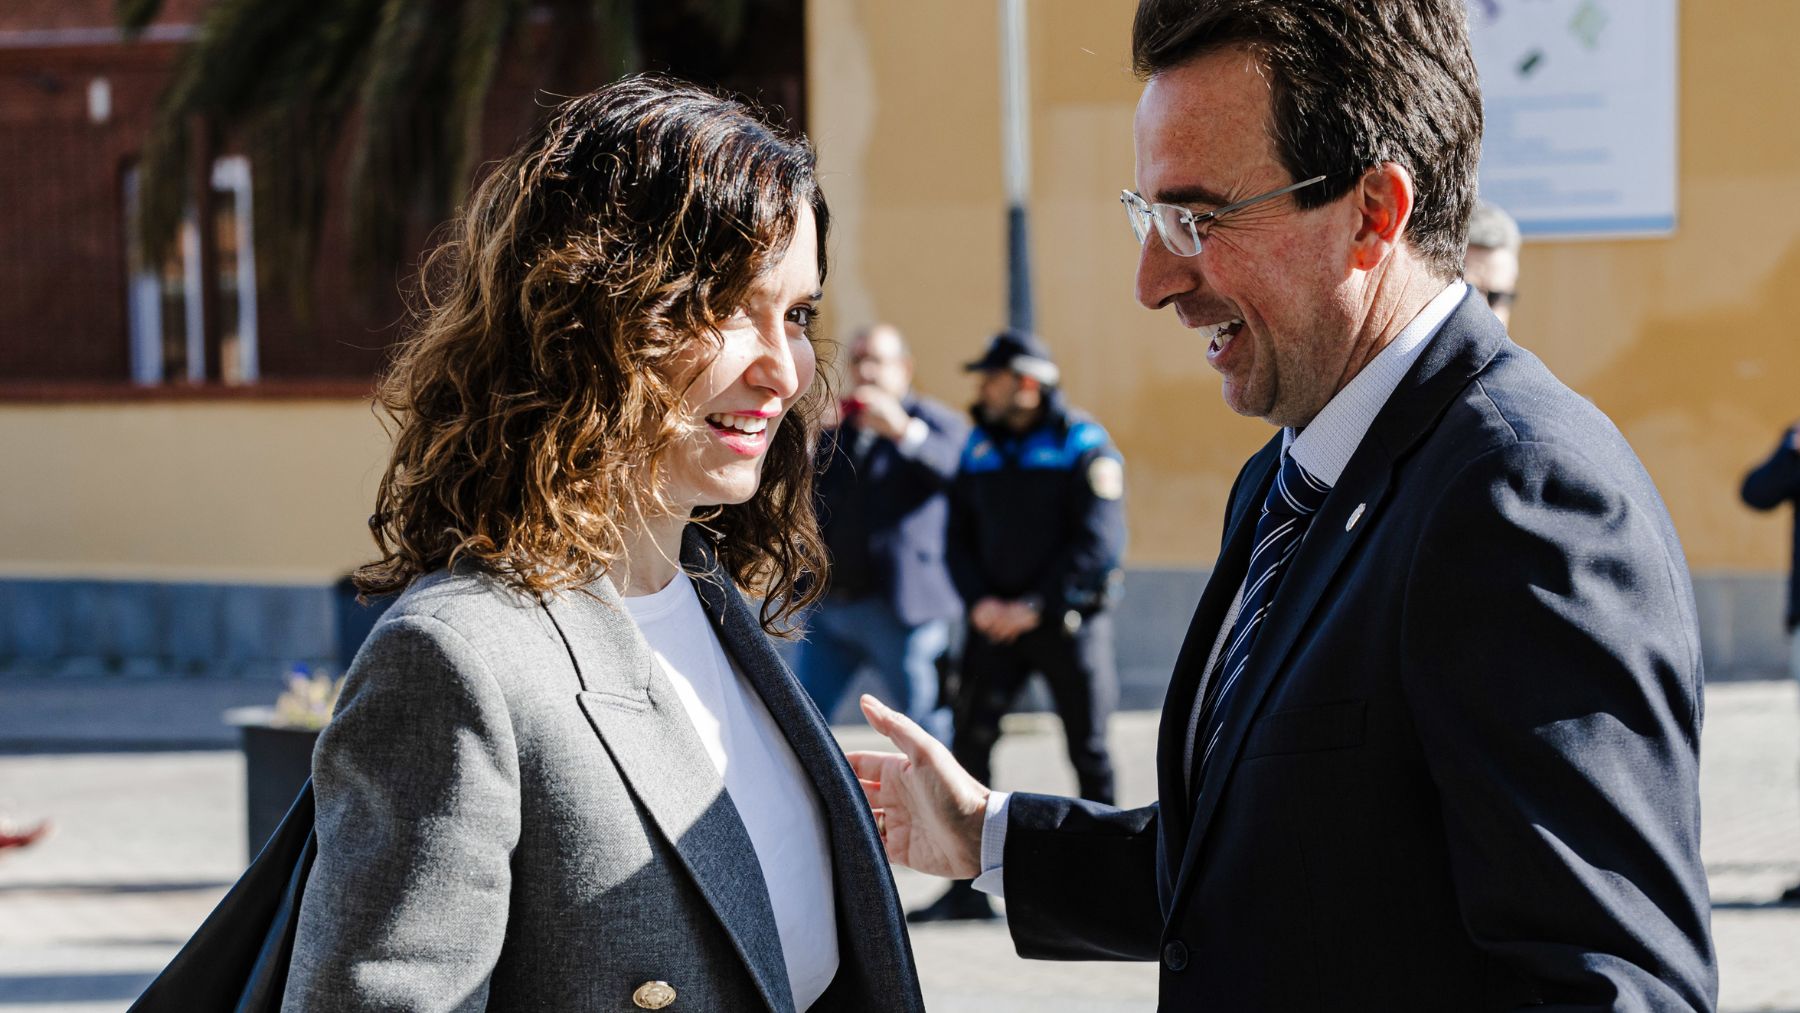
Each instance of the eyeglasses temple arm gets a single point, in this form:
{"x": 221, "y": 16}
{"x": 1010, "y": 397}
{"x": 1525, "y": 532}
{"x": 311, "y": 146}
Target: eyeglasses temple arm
{"x": 1259, "y": 198}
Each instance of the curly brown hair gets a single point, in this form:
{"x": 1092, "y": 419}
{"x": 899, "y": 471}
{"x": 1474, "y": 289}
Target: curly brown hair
{"x": 533, "y": 400}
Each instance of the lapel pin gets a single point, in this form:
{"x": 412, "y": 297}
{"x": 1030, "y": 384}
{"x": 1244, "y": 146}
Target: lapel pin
{"x": 1355, "y": 515}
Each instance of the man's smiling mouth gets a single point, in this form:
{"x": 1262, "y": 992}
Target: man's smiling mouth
{"x": 1220, "y": 334}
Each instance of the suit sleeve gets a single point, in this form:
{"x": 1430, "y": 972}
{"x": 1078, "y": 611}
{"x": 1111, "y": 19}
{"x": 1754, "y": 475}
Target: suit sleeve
{"x": 1081, "y": 880}
{"x": 1775, "y": 481}
{"x": 417, "y": 785}
{"x": 934, "y": 462}
{"x": 1077, "y": 575}
{"x": 1552, "y": 669}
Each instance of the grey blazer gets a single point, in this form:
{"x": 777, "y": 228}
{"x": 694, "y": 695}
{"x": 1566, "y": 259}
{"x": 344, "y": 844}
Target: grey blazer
{"x": 515, "y": 813}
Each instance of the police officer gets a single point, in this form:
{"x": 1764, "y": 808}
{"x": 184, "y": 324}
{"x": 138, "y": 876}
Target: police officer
{"x": 1036, "y": 532}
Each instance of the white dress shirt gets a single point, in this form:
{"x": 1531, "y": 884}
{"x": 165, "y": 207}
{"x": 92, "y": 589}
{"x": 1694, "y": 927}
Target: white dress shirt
{"x": 774, "y": 797}
{"x": 1323, "y": 448}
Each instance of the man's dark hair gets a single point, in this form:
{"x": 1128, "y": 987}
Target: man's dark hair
{"x": 1354, "y": 83}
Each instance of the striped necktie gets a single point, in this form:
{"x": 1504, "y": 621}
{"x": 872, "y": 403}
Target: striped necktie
{"x": 1286, "y": 513}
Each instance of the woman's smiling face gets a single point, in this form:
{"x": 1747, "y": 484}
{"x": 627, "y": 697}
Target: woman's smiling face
{"x": 764, "y": 363}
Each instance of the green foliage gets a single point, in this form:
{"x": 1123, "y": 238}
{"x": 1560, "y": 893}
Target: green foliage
{"x": 392, "y": 91}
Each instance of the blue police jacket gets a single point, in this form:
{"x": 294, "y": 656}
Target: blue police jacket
{"x": 1039, "y": 515}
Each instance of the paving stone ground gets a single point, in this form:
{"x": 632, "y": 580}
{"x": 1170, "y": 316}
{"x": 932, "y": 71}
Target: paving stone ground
{"x": 147, "y": 841}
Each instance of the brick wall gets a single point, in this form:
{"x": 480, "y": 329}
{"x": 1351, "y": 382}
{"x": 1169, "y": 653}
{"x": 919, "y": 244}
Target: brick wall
{"x": 63, "y": 284}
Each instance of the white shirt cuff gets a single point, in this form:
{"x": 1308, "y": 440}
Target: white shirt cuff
{"x": 914, "y": 437}
{"x": 992, "y": 880}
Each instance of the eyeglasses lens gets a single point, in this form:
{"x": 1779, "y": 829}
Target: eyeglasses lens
{"x": 1140, "y": 220}
{"x": 1176, "y": 233}
{"x": 1165, "y": 220}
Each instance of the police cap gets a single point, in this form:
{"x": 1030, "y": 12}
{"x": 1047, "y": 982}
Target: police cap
{"x": 1020, "y": 352}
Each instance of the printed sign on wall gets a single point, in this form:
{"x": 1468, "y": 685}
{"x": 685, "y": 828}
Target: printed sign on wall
{"x": 1580, "y": 101}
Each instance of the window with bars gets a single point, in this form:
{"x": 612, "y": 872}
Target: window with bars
{"x": 85, "y": 311}
{"x": 168, "y": 293}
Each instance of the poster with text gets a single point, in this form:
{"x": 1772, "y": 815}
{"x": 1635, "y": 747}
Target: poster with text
{"x": 1580, "y": 102}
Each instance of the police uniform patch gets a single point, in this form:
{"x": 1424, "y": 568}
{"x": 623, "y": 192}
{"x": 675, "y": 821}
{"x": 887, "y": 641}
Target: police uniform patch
{"x": 1106, "y": 476}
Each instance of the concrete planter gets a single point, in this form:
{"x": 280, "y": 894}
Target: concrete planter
{"x": 277, "y": 762}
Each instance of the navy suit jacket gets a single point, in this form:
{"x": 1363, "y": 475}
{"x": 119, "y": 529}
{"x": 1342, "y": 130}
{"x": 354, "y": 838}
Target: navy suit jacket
{"x": 1461, "y": 769}
{"x": 884, "y": 514}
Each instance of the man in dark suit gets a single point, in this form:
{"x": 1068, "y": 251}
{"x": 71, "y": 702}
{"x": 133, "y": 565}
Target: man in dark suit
{"x": 882, "y": 479}
{"x": 1774, "y": 483}
{"x": 1432, "y": 742}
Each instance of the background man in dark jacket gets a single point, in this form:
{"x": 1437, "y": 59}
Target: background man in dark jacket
{"x": 884, "y": 469}
{"x": 1773, "y": 483}
{"x": 1037, "y": 530}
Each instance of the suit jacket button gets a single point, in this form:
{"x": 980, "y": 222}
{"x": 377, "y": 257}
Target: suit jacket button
{"x": 654, "y": 995}
{"x": 1175, "y": 955}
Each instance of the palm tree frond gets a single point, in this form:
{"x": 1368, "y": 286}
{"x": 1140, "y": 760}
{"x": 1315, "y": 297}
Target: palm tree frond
{"x": 725, "y": 18}
{"x": 135, "y": 15}
{"x": 615, "y": 42}
{"x": 390, "y": 133}
{"x": 400, "y": 88}
{"x": 486, "y": 36}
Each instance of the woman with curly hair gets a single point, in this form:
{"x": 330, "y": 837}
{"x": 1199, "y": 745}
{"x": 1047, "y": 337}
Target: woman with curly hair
{"x": 568, "y": 771}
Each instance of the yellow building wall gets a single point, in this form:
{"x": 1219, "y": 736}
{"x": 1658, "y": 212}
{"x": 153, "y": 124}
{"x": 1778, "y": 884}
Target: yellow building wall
{"x": 1686, "y": 341}
{"x": 233, "y": 491}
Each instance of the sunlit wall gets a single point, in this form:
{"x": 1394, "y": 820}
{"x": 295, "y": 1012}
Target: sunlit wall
{"x": 1687, "y": 342}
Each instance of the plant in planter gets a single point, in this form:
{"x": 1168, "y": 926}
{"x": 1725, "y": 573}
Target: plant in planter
{"x": 278, "y": 745}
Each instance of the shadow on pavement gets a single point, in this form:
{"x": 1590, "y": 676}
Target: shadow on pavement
{"x": 63, "y": 988}
{"x": 108, "y": 889}
{"x": 1761, "y": 905}
{"x": 66, "y": 747}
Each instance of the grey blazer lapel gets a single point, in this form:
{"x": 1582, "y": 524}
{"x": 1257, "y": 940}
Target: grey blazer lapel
{"x": 866, "y": 901}
{"x": 647, "y": 731}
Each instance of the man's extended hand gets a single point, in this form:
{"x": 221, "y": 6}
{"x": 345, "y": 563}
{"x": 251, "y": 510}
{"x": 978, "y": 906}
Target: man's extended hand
{"x": 929, "y": 809}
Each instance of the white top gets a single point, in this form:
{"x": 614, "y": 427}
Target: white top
{"x": 1324, "y": 449}
{"x": 774, "y": 797}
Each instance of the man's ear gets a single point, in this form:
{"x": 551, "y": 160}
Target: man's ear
{"x": 1384, "y": 203}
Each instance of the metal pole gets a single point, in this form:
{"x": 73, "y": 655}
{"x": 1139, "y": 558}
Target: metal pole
{"x": 1015, "y": 107}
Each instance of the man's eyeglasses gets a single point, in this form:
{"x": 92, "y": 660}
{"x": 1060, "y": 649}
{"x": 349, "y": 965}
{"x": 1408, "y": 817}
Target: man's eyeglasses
{"x": 1179, "y": 227}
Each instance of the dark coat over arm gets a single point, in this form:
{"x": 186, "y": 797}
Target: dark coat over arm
{"x": 1774, "y": 482}
{"x": 884, "y": 514}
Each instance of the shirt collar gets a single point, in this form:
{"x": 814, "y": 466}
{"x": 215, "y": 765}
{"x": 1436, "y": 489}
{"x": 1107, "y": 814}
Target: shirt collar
{"x": 1324, "y": 447}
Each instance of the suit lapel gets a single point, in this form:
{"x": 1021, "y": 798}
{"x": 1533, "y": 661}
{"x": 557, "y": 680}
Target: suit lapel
{"x": 646, "y": 729}
{"x": 1176, "y": 814}
{"x": 866, "y": 900}
{"x": 1469, "y": 339}
{"x": 1327, "y": 542}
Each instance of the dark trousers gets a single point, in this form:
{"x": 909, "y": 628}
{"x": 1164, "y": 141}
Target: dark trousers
{"x": 1084, "y": 685}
